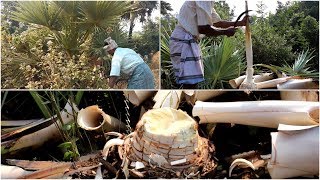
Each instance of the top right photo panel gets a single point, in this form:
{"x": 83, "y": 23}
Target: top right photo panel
{"x": 240, "y": 44}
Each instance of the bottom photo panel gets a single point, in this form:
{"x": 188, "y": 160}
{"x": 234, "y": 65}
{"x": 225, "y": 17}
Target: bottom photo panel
{"x": 159, "y": 134}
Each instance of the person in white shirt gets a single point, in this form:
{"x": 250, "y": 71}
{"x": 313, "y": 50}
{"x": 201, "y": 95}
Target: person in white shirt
{"x": 195, "y": 18}
{"x": 128, "y": 62}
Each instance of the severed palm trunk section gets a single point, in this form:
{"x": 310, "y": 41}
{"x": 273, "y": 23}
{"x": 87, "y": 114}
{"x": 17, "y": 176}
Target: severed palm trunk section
{"x": 169, "y": 138}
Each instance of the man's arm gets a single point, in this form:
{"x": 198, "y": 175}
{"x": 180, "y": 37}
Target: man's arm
{"x": 211, "y": 31}
{"x": 112, "y": 81}
{"x": 226, "y": 24}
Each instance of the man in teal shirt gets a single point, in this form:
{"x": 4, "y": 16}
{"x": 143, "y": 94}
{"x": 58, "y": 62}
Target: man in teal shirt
{"x": 128, "y": 62}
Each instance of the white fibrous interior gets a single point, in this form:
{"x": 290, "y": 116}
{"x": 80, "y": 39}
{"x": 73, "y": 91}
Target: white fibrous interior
{"x": 169, "y": 122}
{"x": 166, "y": 135}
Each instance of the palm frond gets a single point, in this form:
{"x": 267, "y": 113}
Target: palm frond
{"x": 299, "y": 68}
{"x": 37, "y": 12}
{"x": 222, "y": 63}
{"x": 102, "y": 14}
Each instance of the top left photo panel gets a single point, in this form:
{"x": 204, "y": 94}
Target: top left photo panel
{"x": 80, "y": 44}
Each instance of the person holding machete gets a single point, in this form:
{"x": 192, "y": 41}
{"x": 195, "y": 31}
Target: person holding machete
{"x": 195, "y": 18}
{"x": 128, "y": 62}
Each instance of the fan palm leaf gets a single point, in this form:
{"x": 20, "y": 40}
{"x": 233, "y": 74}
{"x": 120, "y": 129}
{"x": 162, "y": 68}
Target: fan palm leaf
{"x": 71, "y": 22}
{"x": 222, "y": 62}
{"x": 37, "y": 12}
{"x": 102, "y": 14}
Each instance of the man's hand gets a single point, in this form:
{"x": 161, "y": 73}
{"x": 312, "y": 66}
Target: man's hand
{"x": 230, "y": 31}
{"x": 112, "y": 81}
{"x": 243, "y": 22}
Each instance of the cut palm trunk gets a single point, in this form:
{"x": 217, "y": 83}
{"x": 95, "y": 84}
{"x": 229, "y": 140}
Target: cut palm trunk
{"x": 167, "y": 98}
{"x": 295, "y": 152}
{"x": 168, "y": 138}
{"x": 200, "y": 95}
{"x": 259, "y": 113}
{"x": 41, "y": 136}
{"x": 138, "y": 96}
{"x": 93, "y": 118}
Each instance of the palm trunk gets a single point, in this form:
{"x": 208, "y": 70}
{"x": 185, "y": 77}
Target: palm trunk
{"x": 133, "y": 16}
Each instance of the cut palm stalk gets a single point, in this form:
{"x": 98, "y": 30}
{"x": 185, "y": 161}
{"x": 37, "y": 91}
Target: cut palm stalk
{"x": 168, "y": 138}
{"x": 137, "y": 97}
{"x": 167, "y": 98}
{"x": 12, "y": 172}
{"x": 263, "y": 77}
{"x": 41, "y": 136}
{"x": 93, "y": 118}
{"x": 6, "y": 123}
{"x": 271, "y": 83}
{"x": 235, "y": 83}
{"x": 295, "y": 152}
{"x": 299, "y": 84}
{"x": 248, "y": 82}
{"x": 259, "y": 113}
{"x": 303, "y": 95}
{"x": 200, "y": 95}
{"x": 53, "y": 172}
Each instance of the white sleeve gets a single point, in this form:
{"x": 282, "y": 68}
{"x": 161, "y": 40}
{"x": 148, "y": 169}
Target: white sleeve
{"x": 115, "y": 65}
{"x": 206, "y": 15}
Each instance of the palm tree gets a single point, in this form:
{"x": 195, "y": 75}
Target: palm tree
{"x": 71, "y": 22}
{"x": 140, "y": 9}
{"x": 165, "y": 7}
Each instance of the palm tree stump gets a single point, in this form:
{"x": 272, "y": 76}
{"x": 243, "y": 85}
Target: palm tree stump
{"x": 169, "y": 139}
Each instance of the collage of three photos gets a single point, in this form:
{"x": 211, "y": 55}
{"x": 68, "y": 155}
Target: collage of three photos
{"x": 160, "y": 89}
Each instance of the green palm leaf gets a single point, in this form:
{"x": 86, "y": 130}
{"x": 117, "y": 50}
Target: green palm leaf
{"x": 299, "y": 68}
{"x": 37, "y": 12}
{"x": 102, "y": 14}
{"x": 222, "y": 62}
